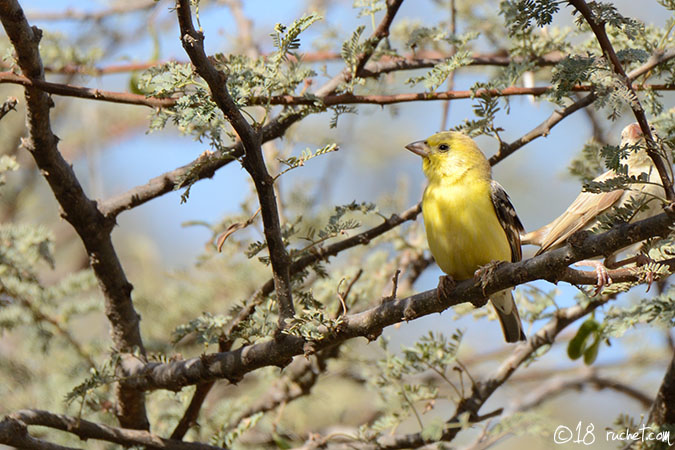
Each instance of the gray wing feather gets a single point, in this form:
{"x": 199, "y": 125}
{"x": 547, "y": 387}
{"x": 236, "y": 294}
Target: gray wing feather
{"x": 508, "y": 218}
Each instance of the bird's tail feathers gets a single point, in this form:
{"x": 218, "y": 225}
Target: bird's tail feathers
{"x": 508, "y": 316}
{"x": 535, "y": 237}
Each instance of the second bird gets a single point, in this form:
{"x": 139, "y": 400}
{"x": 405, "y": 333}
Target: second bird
{"x": 469, "y": 219}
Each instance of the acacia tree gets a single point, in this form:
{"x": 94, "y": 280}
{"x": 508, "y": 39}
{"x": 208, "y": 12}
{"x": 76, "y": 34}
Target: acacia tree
{"x": 204, "y": 363}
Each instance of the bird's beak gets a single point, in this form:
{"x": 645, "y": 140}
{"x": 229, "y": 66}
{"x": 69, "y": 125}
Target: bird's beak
{"x": 419, "y": 147}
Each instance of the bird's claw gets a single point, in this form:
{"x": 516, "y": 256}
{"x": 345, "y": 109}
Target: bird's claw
{"x": 603, "y": 278}
{"x": 484, "y": 273}
{"x": 446, "y": 284}
{"x": 642, "y": 259}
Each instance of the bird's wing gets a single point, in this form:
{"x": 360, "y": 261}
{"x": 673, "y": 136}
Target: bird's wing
{"x": 508, "y": 219}
{"x": 583, "y": 210}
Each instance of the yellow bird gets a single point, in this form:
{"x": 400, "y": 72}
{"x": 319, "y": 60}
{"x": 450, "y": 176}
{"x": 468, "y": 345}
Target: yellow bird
{"x": 469, "y": 219}
{"x": 583, "y": 213}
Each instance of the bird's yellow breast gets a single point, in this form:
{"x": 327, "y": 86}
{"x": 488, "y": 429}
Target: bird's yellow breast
{"x": 462, "y": 227}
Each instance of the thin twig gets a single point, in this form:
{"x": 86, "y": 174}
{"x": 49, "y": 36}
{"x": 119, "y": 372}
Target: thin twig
{"x": 7, "y": 106}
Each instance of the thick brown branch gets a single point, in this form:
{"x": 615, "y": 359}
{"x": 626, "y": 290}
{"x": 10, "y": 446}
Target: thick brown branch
{"x": 279, "y": 352}
{"x": 89, "y": 430}
{"x": 81, "y": 212}
{"x": 15, "y": 433}
{"x": 601, "y": 34}
{"x": 254, "y": 162}
{"x": 663, "y": 409}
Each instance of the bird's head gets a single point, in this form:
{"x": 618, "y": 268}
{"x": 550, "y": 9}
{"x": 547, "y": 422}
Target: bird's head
{"x": 632, "y": 133}
{"x": 448, "y": 152}
{"x": 633, "y": 137}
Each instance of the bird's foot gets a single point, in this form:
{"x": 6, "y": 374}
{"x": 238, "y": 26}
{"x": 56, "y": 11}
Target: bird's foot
{"x": 484, "y": 273}
{"x": 446, "y": 285}
{"x": 642, "y": 259}
{"x": 603, "y": 278}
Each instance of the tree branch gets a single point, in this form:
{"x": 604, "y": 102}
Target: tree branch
{"x": 638, "y": 111}
{"x": 81, "y": 212}
{"x": 73, "y": 14}
{"x": 15, "y": 433}
{"x": 7, "y": 106}
{"x": 205, "y": 167}
{"x": 351, "y": 99}
{"x": 322, "y": 254}
{"x": 484, "y": 389}
{"x": 663, "y": 408}
{"x": 254, "y": 162}
{"x": 558, "y": 385}
{"x": 418, "y": 60}
{"x": 68, "y": 90}
{"x": 85, "y": 430}
{"x": 235, "y": 364}
{"x": 544, "y": 128}
{"x": 129, "y": 98}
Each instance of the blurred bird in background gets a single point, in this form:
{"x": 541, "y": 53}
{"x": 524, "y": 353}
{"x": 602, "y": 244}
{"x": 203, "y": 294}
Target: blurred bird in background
{"x": 584, "y": 212}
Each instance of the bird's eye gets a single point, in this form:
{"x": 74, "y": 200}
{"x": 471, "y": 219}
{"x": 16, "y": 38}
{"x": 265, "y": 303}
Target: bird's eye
{"x": 444, "y": 147}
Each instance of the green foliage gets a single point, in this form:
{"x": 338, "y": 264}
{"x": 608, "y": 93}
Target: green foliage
{"x": 351, "y": 51}
{"x": 397, "y": 380}
{"x": 287, "y": 40}
{"x": 588, "y": 164}
{"x": 606, "y": 13}
{"x": 486, "y": 109}
{"x": 47, "y": 303}
{"x": 294, "y": 162}
{"x": 571, "y": 71}
{"x": 336, "y": 225}
{"x": 433, "y": 351}
{"x": 519, "y": 14}
{"x": 369, "y": 7}
{"x": 522, "y": 424}
{"x": 440, "y": 72}
{"x": 57, "y": 52}
{"x": 98, "y": 377}
{"x": 312, "y": 324}
{"x": 614, "y": 183}
{"x": 207, "y": 328}
{"x": 586, "y": 342}
{"x": 660, "y": 310}
{"x": 339, "y": 110}
{"x": 7, "y": 164}
{"x": 226, "y": 437}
